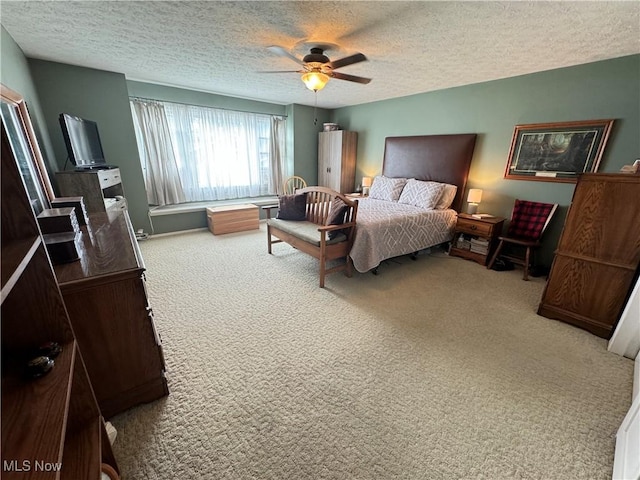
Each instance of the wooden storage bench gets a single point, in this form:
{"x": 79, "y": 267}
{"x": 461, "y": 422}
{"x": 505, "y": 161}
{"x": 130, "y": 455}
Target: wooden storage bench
{"x": 233, "y": 218}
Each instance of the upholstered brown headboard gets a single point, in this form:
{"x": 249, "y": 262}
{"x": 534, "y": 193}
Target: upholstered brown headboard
{"x": 439, "y": 158}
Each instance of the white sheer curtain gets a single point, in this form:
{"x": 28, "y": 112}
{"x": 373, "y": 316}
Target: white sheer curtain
{"x": 277, "y": 155}
{"x": 161, "y": 176}
{"x": 220, "y": 154}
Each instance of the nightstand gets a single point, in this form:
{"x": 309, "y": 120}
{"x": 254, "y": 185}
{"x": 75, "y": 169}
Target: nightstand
{"x": 479, "y": 237}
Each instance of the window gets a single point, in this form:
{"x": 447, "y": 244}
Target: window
{"x": 210, "y": 154}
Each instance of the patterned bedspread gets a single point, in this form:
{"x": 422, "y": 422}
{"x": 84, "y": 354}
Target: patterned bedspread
{"x": 389, "y": 229}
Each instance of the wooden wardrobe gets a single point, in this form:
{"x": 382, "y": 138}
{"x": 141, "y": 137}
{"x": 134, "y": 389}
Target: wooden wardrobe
{"x": 337, "y": 160}
{"x": 597, "y": 259}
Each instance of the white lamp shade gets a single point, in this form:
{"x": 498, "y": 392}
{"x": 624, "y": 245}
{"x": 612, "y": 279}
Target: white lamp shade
{"x": 475, "y": 195}
{"x": 366, "y": 181}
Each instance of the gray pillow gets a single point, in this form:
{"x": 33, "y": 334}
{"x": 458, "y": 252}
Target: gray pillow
{"x": 447, "y": 197}
{"x": 292, "y": 207}
{"x": 336, "y": 216}
{"x": 421, "y": 193}
{"x": 387, "y": 188}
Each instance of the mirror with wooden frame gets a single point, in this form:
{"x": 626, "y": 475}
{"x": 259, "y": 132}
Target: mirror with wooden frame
{"x": 17, "y": 124}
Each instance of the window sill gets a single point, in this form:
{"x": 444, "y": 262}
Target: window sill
{"x": 201, "y": 206}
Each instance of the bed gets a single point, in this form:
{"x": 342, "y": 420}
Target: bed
{"x": 389, "y": 228}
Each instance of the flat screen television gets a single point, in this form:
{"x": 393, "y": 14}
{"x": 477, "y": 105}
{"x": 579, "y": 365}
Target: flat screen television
{"x": 83, "y": 142}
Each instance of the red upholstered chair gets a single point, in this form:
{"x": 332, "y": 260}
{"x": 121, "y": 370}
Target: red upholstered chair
{"x": 529, "y": 220}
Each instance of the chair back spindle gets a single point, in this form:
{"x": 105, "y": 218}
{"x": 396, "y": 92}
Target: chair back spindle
{"x": 292, "y": 184}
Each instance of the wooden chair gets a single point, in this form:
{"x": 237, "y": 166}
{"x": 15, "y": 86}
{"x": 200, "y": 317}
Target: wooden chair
{"x": 292, "y": 184}
{"x": 529, "y": 220}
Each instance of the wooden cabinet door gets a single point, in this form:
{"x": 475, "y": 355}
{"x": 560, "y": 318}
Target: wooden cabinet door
{"x": 348, "y": 148}
{"x": 605, "y": 221}
{"x": 337, "y": 160}
{"x": 108, "y": 307}
{"x": 114, "y": 326}
{"x": 329, "y": 159}
{"x": 598, "y": 254}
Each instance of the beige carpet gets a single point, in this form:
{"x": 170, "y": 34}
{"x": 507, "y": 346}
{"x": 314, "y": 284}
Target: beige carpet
{"x": 434, "y": 369}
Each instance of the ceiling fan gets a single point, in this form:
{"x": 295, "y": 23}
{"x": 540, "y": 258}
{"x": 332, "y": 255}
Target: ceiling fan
{"x": 317, "y": 68}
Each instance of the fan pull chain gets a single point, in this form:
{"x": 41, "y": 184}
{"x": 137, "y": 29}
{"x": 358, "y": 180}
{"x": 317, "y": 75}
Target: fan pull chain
{"x": 315, "y": 108}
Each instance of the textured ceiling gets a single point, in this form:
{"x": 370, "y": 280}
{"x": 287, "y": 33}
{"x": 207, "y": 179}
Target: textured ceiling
{"x": 412, "y": 47}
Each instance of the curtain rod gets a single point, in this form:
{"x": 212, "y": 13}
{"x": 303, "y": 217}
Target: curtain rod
{"x": 135, "y": 97}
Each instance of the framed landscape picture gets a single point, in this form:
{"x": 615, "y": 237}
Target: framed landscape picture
{"x": 556, "y": 152}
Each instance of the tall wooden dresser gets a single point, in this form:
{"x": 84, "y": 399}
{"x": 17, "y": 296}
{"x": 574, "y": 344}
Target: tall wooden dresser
{"x": 106, "y": 298}
{"x": 337, "y": 160}
{"x": 598, "y": 255}
{"x": 51, "y": 424}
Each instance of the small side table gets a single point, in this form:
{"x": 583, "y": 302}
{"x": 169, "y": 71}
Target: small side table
{"x": 479, "y": 237}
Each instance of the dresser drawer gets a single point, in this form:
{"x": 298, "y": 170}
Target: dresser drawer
{"x": 109, "y": 177}
{"x": 474, "y": 227}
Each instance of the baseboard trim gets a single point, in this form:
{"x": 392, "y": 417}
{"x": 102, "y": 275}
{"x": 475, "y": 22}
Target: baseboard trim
{"x": 177, "y": 232}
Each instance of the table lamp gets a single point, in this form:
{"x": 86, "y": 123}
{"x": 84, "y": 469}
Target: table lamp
{"x": 366, "y": 183}
{"x": 474, "y": 198}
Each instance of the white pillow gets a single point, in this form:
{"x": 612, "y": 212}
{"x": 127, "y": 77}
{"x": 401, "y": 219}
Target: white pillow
{"x": 387, "y": 188}
{"x": 421, "y": 194}
{"x": 447, "y": 197}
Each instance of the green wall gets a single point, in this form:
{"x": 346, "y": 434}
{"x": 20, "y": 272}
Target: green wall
{"x": 307, "y": 123}
{"x": 102, "y": 97}
{"x": 51, "y": 88}
{"x": 193, "y": 97}
{"x": 15, "y": 74}
{"x": 600, "y": 90}
{"x": 607, "y": 89}
{"x": 179, "y": 222}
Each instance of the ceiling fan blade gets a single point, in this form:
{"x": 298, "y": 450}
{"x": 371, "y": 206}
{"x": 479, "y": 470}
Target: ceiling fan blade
{"x": 350, "y": 78}
{"x": 350, "y": 60}
{"x": 283, "y": 52}
{"x": 281, "y": 71}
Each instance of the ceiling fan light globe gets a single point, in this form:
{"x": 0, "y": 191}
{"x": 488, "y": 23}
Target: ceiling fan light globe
{"x": 315, "y": 80}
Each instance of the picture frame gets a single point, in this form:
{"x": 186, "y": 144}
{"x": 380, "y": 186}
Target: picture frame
{"x": 557, "y": 152}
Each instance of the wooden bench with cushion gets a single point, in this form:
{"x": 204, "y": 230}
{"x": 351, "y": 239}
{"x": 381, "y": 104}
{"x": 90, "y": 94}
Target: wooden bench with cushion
{"x": 325, "y": 228}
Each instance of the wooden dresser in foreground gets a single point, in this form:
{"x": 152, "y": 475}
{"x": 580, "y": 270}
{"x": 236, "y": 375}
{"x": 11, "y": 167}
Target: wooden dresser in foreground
{"x": 107, "y": 302}
{"x": 598, "y": 254}
{"x": 51, "y": 425}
